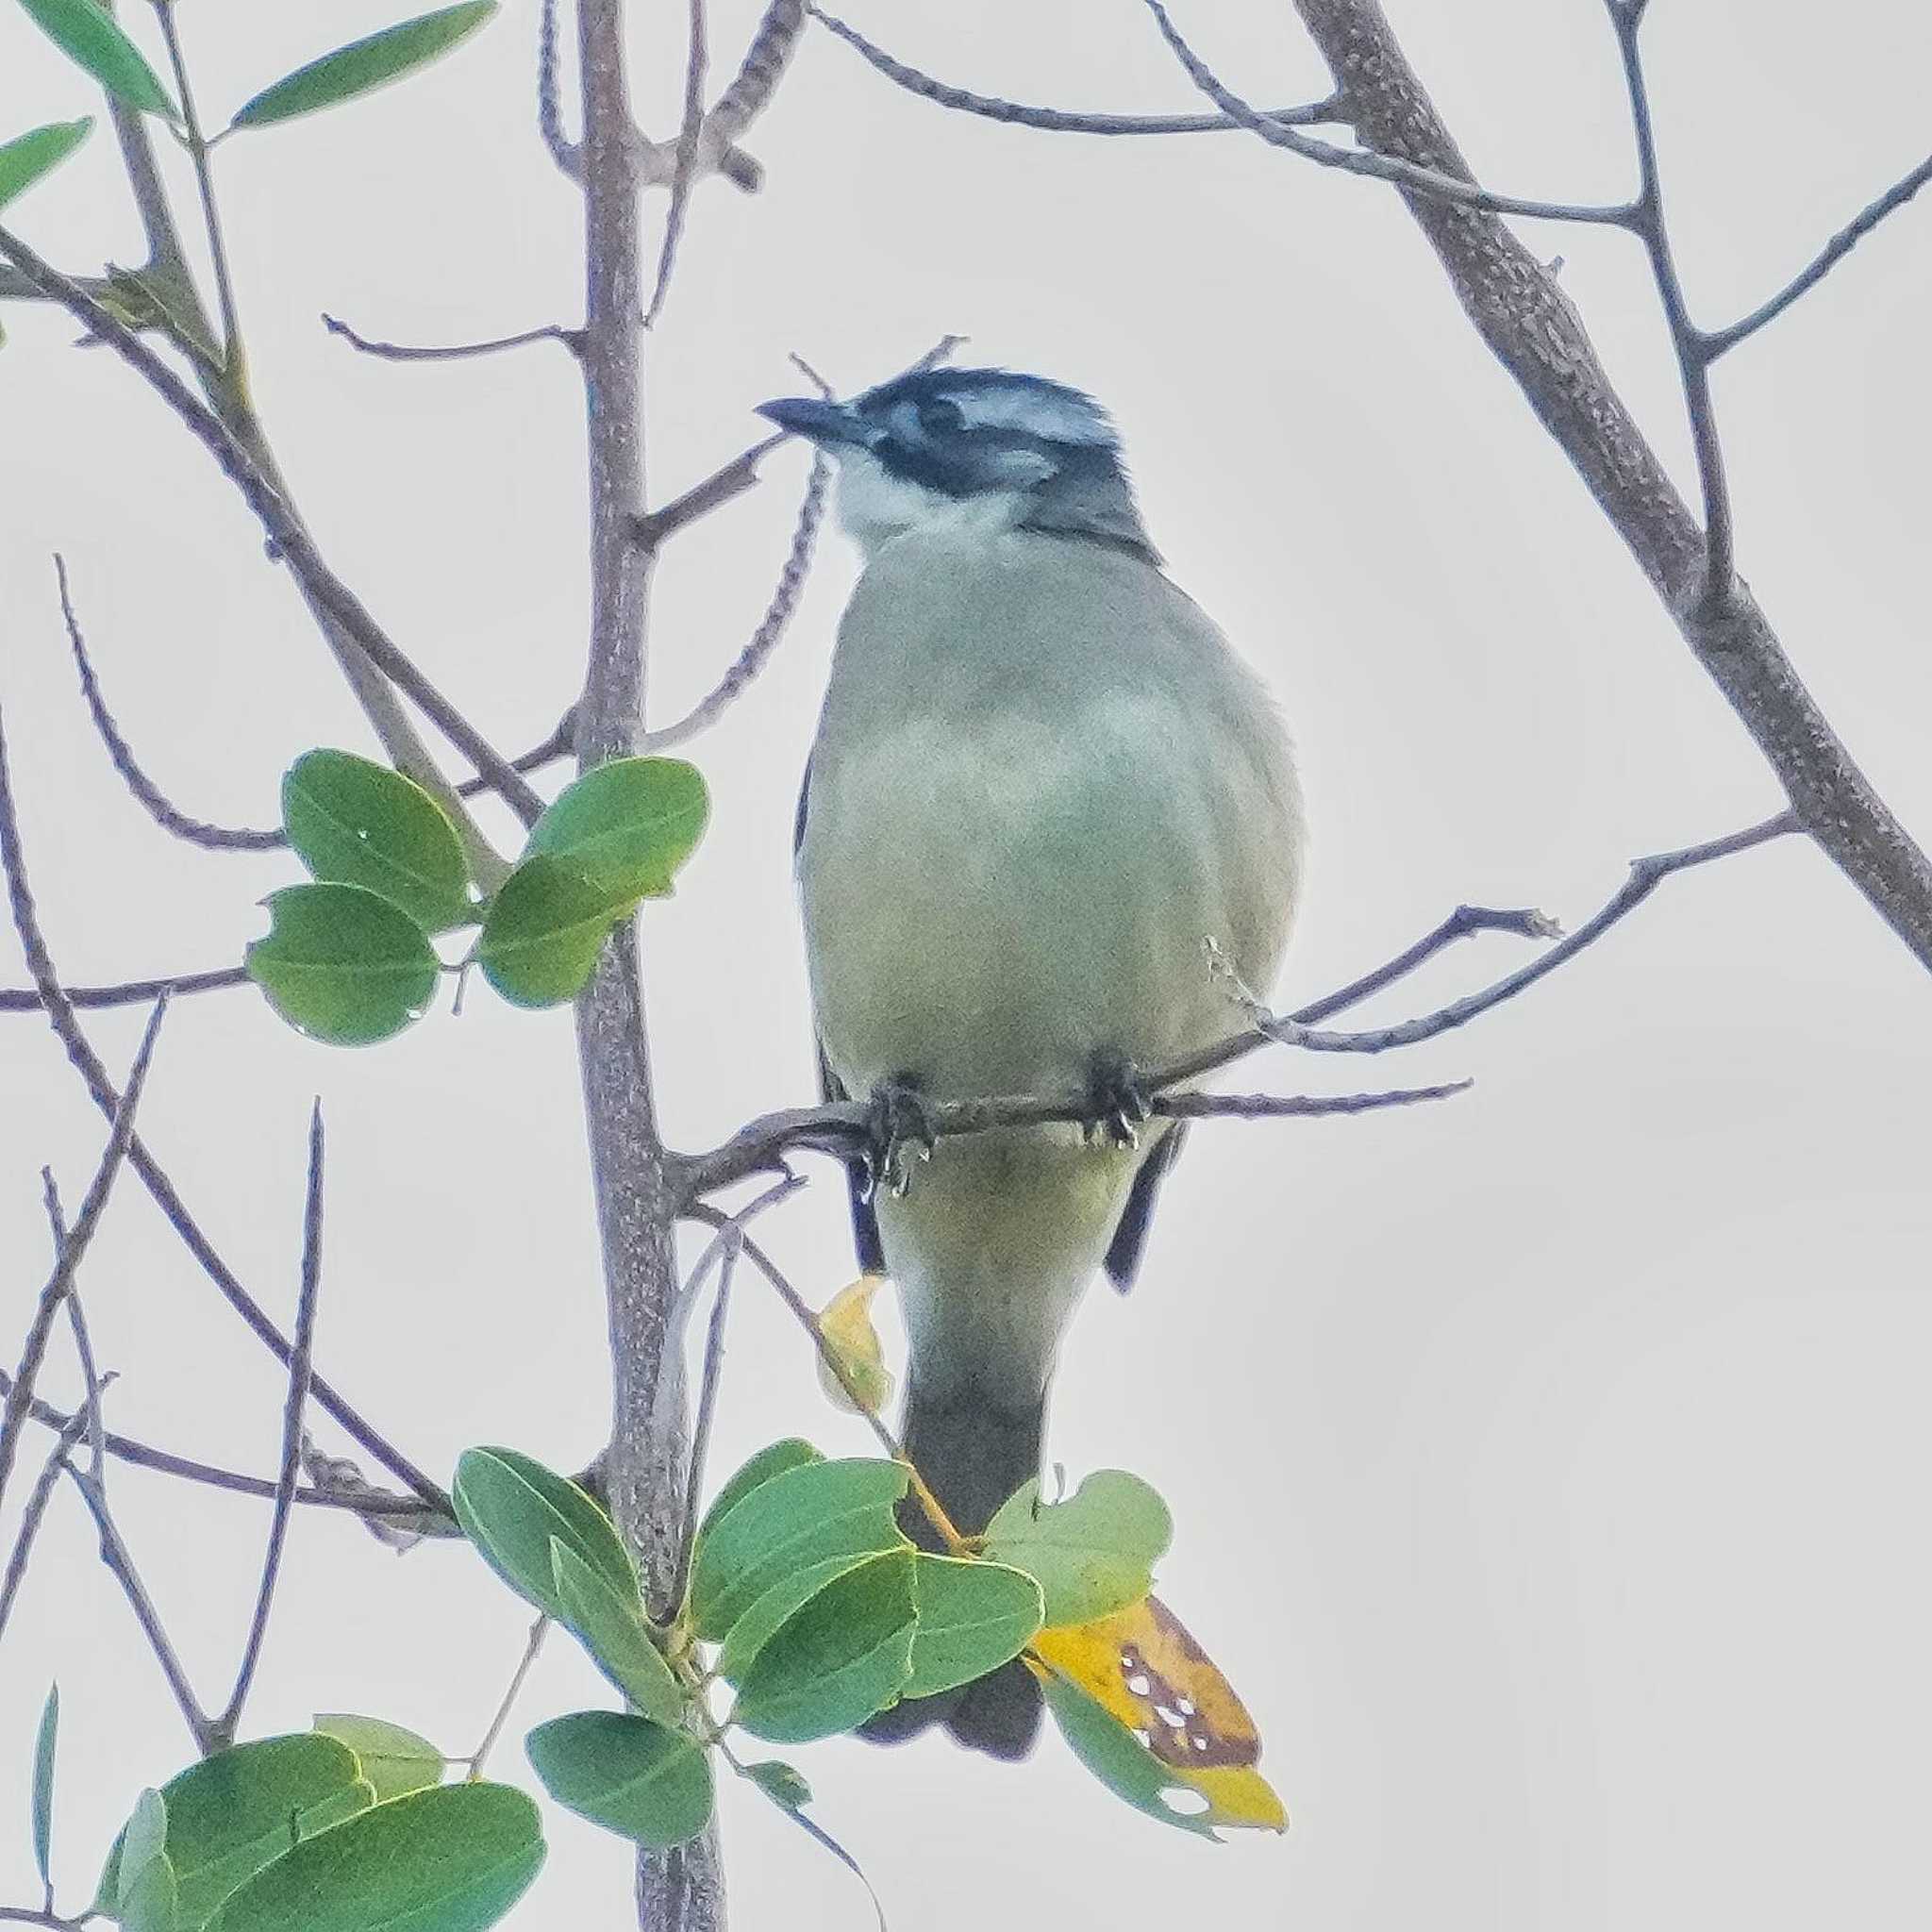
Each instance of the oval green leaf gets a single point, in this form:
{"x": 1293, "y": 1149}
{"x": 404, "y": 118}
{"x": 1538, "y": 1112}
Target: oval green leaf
{"x": 512, "y": 1508}
{"x": 363, "y": 64}
{"x": 1121, "y": 1761}
{"x": 1092, "y": 1553}
{"x": 343, "y": 965}
{"x": 795, "y": 1452}
{"x": 611, "y": 1628}
{"x": 88, "y": 35}
{"x": 784, "y": 1784}
{"x": 628, "y": 825}
{"x": 543, "y": 931}
{"x": 973, "y": 1617}
{"x": 359, "y": 823}
{"x": 837, "y": 1659}
{"x": 43, "y": 1781}
{"x": 452, "y": 1859}
{"x": 806, "y": 1516}
{"x": 27, "y": 157}
{"x": 394, "y": 1761}
{"x": 649, "y": 1784}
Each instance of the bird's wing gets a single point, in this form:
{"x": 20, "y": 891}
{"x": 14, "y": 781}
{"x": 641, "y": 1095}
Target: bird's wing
{"x": 865, "y": 1222}
{"x": 1130, "y": 1238}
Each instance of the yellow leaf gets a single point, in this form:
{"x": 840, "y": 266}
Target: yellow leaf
{"x": 1144, "y": 1669}
{"x": 845, "y": 1322}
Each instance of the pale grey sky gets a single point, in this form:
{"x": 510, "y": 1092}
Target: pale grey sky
{"x": 1549, "y": 1465}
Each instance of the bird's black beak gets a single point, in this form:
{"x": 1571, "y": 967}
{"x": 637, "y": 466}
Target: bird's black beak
{"x": 827, "y": 424}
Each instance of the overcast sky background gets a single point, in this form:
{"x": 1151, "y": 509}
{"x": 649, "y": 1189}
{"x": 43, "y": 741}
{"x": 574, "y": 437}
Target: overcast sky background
{"x": 1548, "y": 1466}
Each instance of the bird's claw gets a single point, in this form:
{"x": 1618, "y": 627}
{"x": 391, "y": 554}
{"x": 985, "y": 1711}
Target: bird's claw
{"x": 1122, "y": 1105}
{"x": 899, "y": 1122}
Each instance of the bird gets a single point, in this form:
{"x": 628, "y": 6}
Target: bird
{"x": 1043, "y": 782}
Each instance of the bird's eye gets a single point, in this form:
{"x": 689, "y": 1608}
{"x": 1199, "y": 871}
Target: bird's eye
{"x": 941, "y": 417}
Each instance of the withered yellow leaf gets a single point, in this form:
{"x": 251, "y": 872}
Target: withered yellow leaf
{"x": 845, "y": 1322}
{"x": 1144, "y": 1669}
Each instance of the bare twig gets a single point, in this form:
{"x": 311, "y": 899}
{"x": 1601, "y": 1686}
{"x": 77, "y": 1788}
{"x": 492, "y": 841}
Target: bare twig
{"x": 701, "y": 1428}
{"x": 773, "y": 44}
{"x": 685, "y": 170}
{"x": 563, "y": 151}
{"x": 233, "y": 362}
{"x": 130, "y": 993}
{"x": 764, "y": 640}
{"x": 33, "y": 1351}
{"x": 30, "y": 1518}
{"x": 299, "y": 1362}
{"x": 1052, "y": 120}
{"x": 478, "y": 1758}
{"x": 449, "y": 352}
{"x": 1464, "y": 923}
{"x": 91, "y": 1378}
{"x": 87, "y": 1064}
{"x": 1255, "y": 1107}
{"x": 1714, "y": 342}
{"x": 291, "y": 540}
{"x": 649, "y": 529}
{"x": 843, "y": 1128}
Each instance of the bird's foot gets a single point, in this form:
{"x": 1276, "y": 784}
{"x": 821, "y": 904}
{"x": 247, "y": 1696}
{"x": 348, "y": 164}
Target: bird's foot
{"x": 899, "y": 1123}
{"x": 1122, "y": 1106}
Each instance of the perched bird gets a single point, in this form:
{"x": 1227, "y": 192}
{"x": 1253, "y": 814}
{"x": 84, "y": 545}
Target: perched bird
{"x": 1041, "y": 781}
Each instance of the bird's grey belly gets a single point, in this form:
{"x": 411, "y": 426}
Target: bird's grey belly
{"x": 990, "y": 902}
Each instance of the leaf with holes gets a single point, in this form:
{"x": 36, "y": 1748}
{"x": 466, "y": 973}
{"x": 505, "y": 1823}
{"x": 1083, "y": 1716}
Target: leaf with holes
{"x": 628, "y": 825}
{"x": 363, "y": 64}
{"x": 27, "y": 157}
{"x": 1119, "y": 1759}
{"x": 343, "y": 965}
{"x": 451, "y": 1860}
{"x": 812, "y": 1514}
{"x": 843, "y": 1655}
{"x": 611, "y": 1628}
{"x": 87, "y": 34}
{"x": 1093, "y": 1552}
{"x": 972, "y": 1618}
{"x": 1146, "y": 1671}
{"x": 228, "y": 1816}
{"x": 543, "y": 931}
{"x": 394, "y": 1761}
{"x": 512, "y": 1508}
{"x": 649, "y": 1784}
{"x": 359, "y": 823}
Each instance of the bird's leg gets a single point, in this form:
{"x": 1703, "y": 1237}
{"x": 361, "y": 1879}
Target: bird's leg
{"x": 898, "y": 1120}
{"x": 1121, "y": 1104}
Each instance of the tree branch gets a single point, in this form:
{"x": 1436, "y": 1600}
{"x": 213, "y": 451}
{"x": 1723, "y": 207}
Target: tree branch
{"x": 450, "y": 352}
{"x": 685, "y": 170}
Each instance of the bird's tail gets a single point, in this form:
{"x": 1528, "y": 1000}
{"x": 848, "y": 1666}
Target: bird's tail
{"x": 973, "y": 1454}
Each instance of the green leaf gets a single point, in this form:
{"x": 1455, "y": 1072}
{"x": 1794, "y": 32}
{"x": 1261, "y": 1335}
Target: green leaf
{"x": 394, "y": 1762}
{"x": 363, "y": 64}
{"x": 144, "y": 1839}
{"x": 543, "y": 931}
{"x": 784, "y": 1784}
{"x": 451, "y": 1860}
{"x": 343, "y": 965}
{"x": 228, "y": 1816}
{"x": 1091, "y": 1554}
{"x": 27, "y": 157}
{"x": 634, "y": 1778}
{"x": 755, "y": 1626}
{"x": 87, "y": 34}
{"x": 1120, "y": 1760}
{"x": 611, "y": 1628}
{"x": 839, "y": 1658}
{"x": 361, "y": 824}
{"x": 804, "y": 1515}
{"x": 628, "y": 825}
{"x": 512, "y": 1508}
{"x": 793, "y": 1453}
{"x": 973, "y": 1617}
{"x": 43, "y": 1781}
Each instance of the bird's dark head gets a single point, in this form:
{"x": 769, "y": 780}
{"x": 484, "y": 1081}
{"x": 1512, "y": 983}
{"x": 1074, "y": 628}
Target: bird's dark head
{"x": 972, "y": 448}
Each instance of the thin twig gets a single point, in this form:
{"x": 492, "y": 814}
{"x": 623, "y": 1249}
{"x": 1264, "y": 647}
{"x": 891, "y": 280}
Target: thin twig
{"x": 684, "y": 174}
{"x": 1052, "y": 120}
{"x": 700, "y": 1427}
{"x": 37, "y": 1501}
{"x": 1464, "y": 923}
{"x": 87, "y": 1064}
{"x": 563, "y": 151}
{"x": 841, "y": 1128}
{"x": 1362, "y": 161}
{"x": 1251, "y": 1106}
{"x": 33, "y": 1351}
{"x": 773, "y": 44}
{"x": 451, "y": 352}
{"x": 649, "y": 529}
{"x": 479, "y": 1757}
{"x": 234, "y": 367}
{"x": 291, "y": 541}
{"x": 1713, "y": 343}
{"x": 130, "y": 993}
{"x": 299, "y": 1362}
{"x": 745, "y": 667}
{"x": 91, "y": 1380}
